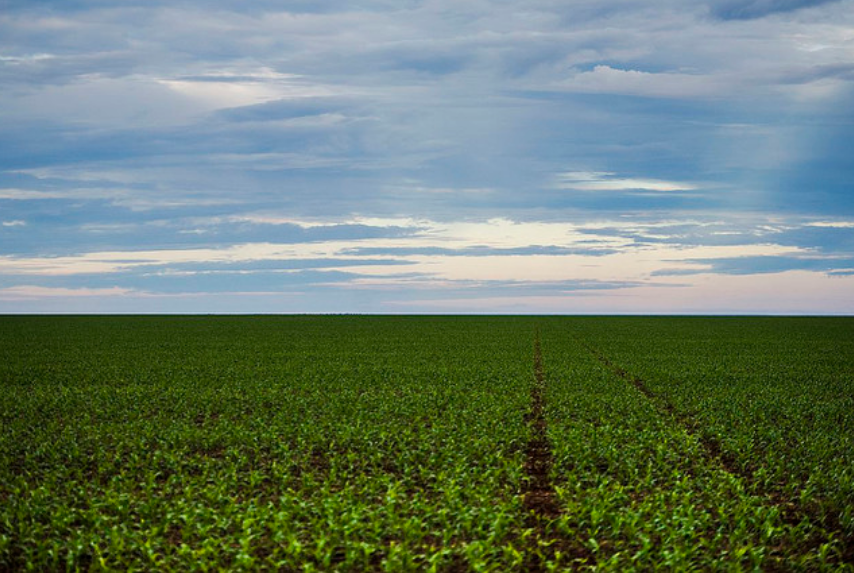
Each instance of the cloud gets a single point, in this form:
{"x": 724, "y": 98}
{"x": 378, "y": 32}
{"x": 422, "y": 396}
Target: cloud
{"x": 341, "y": 151}
{"x": 606, "y": 79}
{"x": 601, "y": 181}
{"x": 11, "y": 194}
{"x": 241, "y": 88}
{"x": 831, "y": 224}
{"x": 14, "y": 223}
{"x": 28, "y": 194}
{"x": 24, "y": 292}
{"x": 26, "y": 59}
{"x": 715, "y": 294}
{"x": 740, "y": 10}
{"x": 106, "y": 101}
{"x": 451, "y": 252}
{"x": 750, "y": 265}
{"x": 479, "y": 251}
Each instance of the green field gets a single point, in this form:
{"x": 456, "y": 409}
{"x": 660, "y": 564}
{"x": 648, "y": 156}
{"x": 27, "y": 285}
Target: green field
{"x": 426, "y": 443}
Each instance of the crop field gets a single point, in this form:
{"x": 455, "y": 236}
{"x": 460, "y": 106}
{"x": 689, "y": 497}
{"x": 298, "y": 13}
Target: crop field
{"x": 367, "y": 443}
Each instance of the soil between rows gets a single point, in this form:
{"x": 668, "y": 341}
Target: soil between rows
{"x": 792, "y": 511}
{"x": 540, "y": 499}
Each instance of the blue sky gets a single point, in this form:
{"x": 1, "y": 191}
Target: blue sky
{"x": 611, "y": 156}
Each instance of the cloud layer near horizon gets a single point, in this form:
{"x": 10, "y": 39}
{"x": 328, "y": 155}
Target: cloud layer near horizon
{"x": 440, "y": 156}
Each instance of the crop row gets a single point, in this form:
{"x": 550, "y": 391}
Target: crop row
{"x": 640, "y": 489}
{"x": 772, "y": 397}
{"x": 402, "y": 443}
{"x": 282, "y": 444}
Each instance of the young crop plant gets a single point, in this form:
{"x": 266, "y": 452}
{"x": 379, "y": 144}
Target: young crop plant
{"x": 262, "y": 443}
{"x": 365, "y": 443}
{"x": 766, "y": 403}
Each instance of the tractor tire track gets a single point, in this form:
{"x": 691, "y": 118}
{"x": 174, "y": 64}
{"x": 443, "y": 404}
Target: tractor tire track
{"x": 540, "y": 501}
{"x": 711, "y": 447}
{"x": 791, "y": 511}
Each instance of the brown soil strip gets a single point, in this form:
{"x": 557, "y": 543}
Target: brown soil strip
{"x": 540, "y": 499}
{"x": 791, "y": 511}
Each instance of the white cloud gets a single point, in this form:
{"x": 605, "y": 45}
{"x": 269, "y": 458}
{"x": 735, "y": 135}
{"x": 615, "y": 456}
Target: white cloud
{"x": 28, "y": 194}
{"x": 272, "y": 219}
{"x": 605, "y": 79}
{"x": 24, "y": 292}
{"x": 134, "y": 200}
{"x": 14, "y": 194}
{"x": 621, "y": 260}
{"x": 604, "y": 181}
{"x": 235, "y": 88}
{"x": 831, "y": 224}
{"x": 26, "y": 59}
{"x": 14, "y": 223}
{"x": 419, "y": 189}
{"x": 94, "y": 99}
{"x": 587, "y": 257}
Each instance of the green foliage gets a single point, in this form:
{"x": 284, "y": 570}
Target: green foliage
{"x": 246, "y": 443}
{"x": 737, "y": 454}
{"x": 399, "y": 443}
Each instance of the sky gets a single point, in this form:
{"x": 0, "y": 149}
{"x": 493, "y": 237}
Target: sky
{"x": 435, "y": 156}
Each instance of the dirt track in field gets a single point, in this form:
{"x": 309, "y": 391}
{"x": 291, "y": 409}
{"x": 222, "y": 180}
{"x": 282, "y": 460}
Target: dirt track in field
{"x": 791, "y": 511}
{"x": 540, "y": 499}
{"x": 711, "y": 447}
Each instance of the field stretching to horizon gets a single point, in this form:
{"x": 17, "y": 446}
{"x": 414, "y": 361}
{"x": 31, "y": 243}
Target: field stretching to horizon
{"x": 438, "y": 443}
